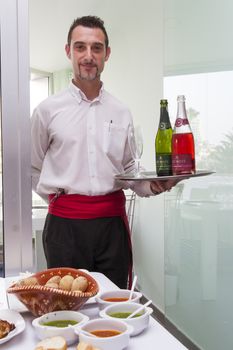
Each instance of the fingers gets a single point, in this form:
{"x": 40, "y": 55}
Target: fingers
{"x": 171, "y": 183}
{"x": 158, "y": 187}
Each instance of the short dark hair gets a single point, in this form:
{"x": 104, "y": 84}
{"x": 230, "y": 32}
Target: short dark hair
{"x": 90, "y": 22}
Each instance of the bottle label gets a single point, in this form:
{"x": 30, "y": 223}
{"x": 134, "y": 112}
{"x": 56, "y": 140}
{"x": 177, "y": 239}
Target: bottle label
{"x": 163, "y": 164}
{"x": 182, "y": 164}
{"x": 164, "y": 126}
{"x": 180, "y": 121}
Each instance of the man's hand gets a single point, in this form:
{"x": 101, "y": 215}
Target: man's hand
{"x": 161, "y": 186}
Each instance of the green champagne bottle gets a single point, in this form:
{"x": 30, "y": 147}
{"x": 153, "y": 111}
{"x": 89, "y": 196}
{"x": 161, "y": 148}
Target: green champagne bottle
{"x": 163, "y": 142}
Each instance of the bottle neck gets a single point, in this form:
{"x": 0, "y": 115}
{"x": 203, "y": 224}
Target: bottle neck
{"x": 164, "y": 121}
{"x": 181, "y": 110}
{"x": 181, "y": 123}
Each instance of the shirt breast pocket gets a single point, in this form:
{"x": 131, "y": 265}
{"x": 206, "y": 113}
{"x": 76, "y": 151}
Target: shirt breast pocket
{"x": 114, "y": 141}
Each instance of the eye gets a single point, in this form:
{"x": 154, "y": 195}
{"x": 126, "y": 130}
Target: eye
{"x": 79, "y": 47}
{"x": 97, "y": 48}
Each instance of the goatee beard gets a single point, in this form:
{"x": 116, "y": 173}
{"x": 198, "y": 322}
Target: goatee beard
{"x": 89, "y": 78}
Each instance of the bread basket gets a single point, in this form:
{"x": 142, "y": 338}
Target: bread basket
{"x": 40, "y": 299}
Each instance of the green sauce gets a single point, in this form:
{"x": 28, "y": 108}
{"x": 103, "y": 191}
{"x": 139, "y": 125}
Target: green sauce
{"x": 60, "y": 323}
{"x": 123, "y": 314}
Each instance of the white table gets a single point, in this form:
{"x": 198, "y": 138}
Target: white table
{"x": 154, "y": 337}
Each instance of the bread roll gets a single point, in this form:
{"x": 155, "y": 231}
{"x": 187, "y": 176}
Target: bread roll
{"x": 54, "y": 279}
{"x": 84, "y": 346}
{"x": 53, "y": 343}
{"x": 66, "y": 282}
{"x": 29, "y": 281}
{"x": 79, "y": 284}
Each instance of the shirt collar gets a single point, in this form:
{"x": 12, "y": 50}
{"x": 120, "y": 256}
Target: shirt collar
{"x": 80, "y": 96}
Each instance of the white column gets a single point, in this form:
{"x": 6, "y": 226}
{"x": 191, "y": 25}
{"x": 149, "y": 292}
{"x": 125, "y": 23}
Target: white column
{"x": 16, "y": 136}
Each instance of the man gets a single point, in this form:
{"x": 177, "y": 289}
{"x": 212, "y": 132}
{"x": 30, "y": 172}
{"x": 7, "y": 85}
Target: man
{"x": 79, "y": 144}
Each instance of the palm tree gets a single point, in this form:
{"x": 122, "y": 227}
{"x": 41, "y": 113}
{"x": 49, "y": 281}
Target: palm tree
{"x": 222, "y": 155}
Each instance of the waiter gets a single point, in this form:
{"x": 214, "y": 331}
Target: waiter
{"x": 79, "y": 144}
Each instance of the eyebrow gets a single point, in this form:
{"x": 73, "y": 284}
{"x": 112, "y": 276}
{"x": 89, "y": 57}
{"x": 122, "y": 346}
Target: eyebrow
{"x": 84, "y": 43}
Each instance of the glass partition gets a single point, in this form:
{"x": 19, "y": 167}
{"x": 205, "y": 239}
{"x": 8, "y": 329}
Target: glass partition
{"x": 199, "y": 260}
{"x": 198, "y": 221}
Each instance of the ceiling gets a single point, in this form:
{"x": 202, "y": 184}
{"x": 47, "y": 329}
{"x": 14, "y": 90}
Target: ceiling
{"x": 49, "y": 22}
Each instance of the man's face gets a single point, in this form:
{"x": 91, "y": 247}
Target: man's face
{"x": 87, "y": 52}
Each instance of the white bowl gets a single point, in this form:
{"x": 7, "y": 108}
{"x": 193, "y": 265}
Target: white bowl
{"x": 117, "y": 293}
{"x": 117, "y": 342}
{"x": 138, "y": 323}
{"x": 68, "y": 332}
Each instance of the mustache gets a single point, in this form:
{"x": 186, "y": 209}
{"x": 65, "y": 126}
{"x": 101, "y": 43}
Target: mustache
{"x": 89, "y": 63}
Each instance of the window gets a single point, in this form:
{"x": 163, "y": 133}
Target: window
{"x": 209, "y": 109}
{"x": 39, "y": 90}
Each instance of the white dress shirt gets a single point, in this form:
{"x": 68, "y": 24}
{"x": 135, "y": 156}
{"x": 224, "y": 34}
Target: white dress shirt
{"x": 80, "y": 145}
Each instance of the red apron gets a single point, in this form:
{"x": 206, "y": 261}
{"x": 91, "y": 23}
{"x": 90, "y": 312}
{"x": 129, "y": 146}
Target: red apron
{"x": 76, "y": 206}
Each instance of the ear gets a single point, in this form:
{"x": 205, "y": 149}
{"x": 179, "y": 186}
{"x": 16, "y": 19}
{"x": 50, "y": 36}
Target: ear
{"x": 67, "y": 48}
{"x": 108, "y": 51}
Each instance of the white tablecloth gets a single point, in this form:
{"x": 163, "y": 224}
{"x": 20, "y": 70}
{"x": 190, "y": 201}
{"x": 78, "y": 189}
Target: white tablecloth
{"x": 154, "y": 337}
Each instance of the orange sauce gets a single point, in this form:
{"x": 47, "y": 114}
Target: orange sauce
{"x": 104, "y": 333}
{"x": 116, "y": 299}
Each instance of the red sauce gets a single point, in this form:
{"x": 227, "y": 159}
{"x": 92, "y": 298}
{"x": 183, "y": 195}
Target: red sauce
{"x": 104, "y": 333}
{"x": 116, "y": 299}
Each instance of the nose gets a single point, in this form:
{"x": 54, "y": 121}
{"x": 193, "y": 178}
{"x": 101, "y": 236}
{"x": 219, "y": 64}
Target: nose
{"x": 88, "y": 54}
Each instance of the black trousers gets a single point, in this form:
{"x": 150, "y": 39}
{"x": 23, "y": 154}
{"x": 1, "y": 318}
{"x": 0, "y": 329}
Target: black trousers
{"x": 99, "y": 245}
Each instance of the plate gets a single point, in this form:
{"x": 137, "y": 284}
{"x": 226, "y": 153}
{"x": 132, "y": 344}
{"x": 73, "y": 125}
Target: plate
{"x": 12, "y": 317}
{"x": 152, "y": 176}
{"x": 3, "y": 298}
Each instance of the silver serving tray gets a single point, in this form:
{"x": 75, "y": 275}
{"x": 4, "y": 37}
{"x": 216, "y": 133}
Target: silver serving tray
{"x": 152, "y": 176}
